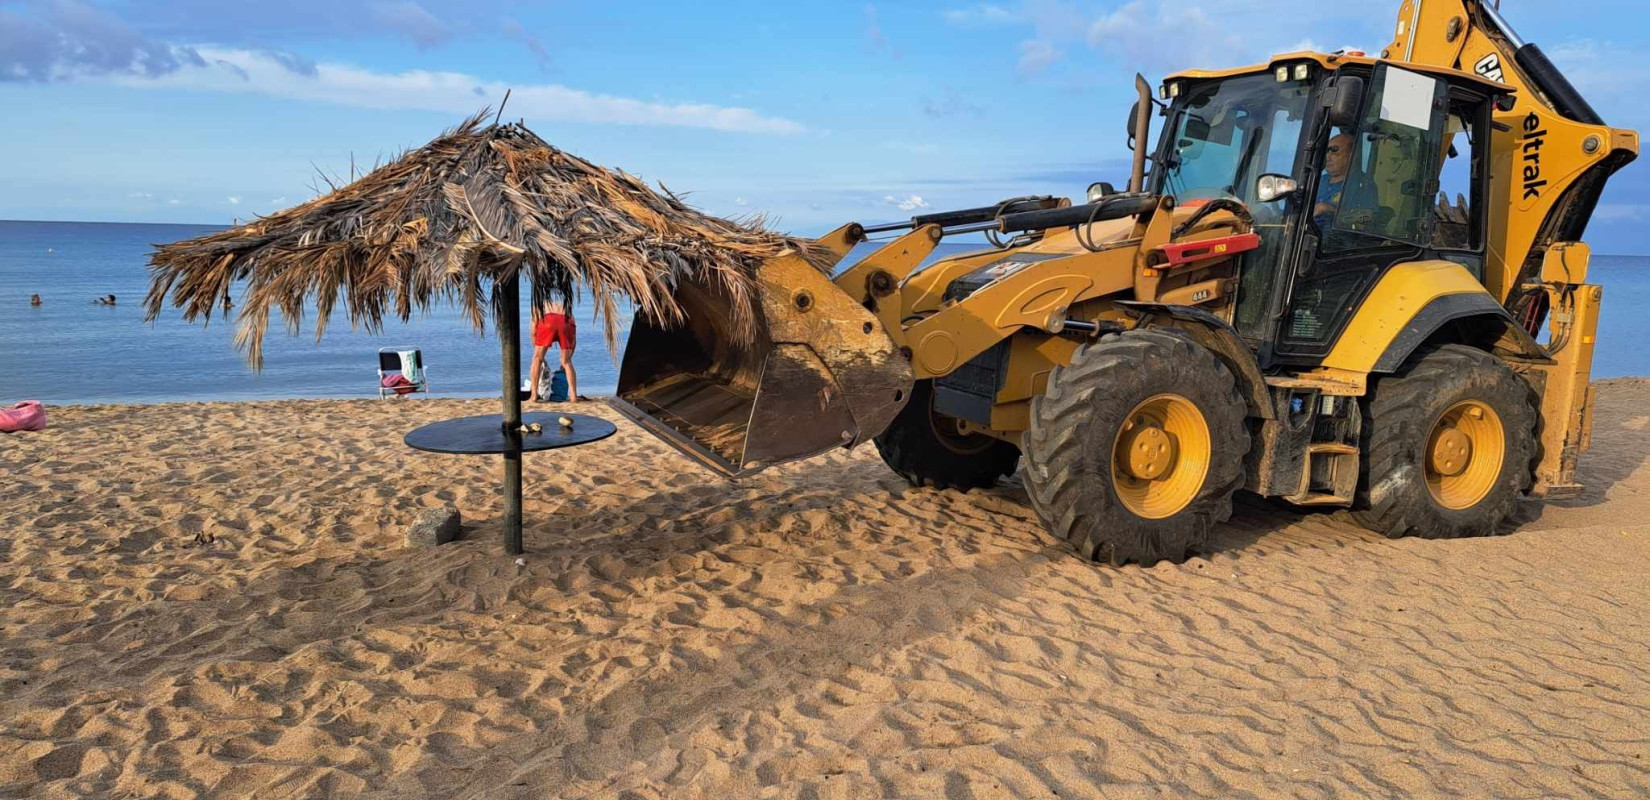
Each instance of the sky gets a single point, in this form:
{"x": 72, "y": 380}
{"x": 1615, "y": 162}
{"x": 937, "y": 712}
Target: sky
{"x": 808, "y": 113}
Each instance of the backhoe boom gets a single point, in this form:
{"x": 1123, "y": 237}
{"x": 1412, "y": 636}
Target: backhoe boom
{"x": 1551, "y": 157}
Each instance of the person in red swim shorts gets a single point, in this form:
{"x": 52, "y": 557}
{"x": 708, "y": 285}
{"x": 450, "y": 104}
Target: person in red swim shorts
{"x": 554, "y": 326}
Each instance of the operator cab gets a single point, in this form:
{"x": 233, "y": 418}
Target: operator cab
{"x": 1347, "y": 165}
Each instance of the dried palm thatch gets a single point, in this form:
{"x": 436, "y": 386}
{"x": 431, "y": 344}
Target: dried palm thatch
{"x": 469, "y": 209}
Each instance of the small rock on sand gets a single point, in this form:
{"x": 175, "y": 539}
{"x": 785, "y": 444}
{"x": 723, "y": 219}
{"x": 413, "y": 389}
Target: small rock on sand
{"x": 433, "y": 526}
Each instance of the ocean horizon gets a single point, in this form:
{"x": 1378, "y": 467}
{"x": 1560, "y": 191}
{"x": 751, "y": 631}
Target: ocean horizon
{"x": 70, "y": 351}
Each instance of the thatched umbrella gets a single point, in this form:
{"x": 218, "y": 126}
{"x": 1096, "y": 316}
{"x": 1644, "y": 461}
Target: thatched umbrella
{"x": 461, "y": 219}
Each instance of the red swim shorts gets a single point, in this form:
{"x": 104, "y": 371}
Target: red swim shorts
{"x": 555, "y": 329}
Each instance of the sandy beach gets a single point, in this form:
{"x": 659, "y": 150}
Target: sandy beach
{"x": 214, "y": 600}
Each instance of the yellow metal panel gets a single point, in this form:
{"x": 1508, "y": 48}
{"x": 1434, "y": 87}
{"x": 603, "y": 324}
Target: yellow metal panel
{"x": 1430, "y": 32}
{"x": 1402, "y": 292}
{"x": 887, "y": 267}
{"x": 840, "y": 241}
{"x": 1038, "y": 300}
{"x": 1536, "y": 156}
{"x": 896, "y": 258}
{"x": 1532, "y": 163}
{"x": 1566, "y": 263}
{"x": 1566, "y": 399}
{"x": 1031, "y": 358}
{"x": 1330, "y": 62}
{"x": 925, "y": 291}
{"x": 960, "y": 331}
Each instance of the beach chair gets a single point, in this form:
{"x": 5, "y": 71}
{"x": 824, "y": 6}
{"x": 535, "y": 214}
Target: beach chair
{"x": 401, "y": 372}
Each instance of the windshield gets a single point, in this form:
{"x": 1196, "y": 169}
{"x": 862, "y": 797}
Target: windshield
{"x": 1225, "y": 134}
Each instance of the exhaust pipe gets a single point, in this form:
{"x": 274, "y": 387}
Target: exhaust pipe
{"x": 1142, "y": 129}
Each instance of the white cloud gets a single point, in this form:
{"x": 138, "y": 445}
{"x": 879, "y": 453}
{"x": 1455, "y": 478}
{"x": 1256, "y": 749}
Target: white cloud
{"x": 982, "y": 14}
{"x": 1036, "y": 55}
{"x": 1165, "y": 37}
{"x": 1621, "y": 212}
{"x": 1609, "y": 76}
{"x": 873, "y": 32}
{"x": 141, "y": 196}
{"x": 234, "y": 201}
{"x": 952, "y": 104}
{"x": 910, "y": 203}
{"x": 1053, "y": 20}
{"x": 740, "y": 201}
{"x": 250, "y": 72}
{"x": 411, "y": 19}
{"x": 1601, "y": 70}
{"x": 909, "y": 147}
{"x": 174, "y": 202}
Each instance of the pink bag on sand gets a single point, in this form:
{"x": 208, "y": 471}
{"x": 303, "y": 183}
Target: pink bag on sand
{"x": 28, "y": 415}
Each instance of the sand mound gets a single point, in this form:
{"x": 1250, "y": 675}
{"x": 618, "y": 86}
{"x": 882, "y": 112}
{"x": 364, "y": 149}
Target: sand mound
{"x": 212, "y": 600}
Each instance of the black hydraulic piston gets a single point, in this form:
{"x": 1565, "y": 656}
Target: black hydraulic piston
{"x": 1114, "y": 207}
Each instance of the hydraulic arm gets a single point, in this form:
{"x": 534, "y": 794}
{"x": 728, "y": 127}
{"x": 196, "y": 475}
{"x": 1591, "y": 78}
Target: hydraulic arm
{"x": 1551, "y": 156}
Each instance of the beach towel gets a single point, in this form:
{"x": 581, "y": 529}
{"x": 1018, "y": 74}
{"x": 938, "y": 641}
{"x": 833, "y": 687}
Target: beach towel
{"x": 28, "y": 415}
{"x": 398, "y": 384}
{"x": 410, "y": 367}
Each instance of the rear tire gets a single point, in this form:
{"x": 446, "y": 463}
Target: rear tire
{"x": 925, "y": 449}
{"x": 1097, "y": 466}
{"x": 1449, "y": 443}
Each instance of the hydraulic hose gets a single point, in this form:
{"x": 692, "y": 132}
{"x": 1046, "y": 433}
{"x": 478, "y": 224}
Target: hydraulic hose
{"x": 1235, "y": 207}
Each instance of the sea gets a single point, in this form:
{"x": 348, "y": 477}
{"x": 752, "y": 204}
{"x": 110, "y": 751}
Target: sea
{"x": 71, "y": 351}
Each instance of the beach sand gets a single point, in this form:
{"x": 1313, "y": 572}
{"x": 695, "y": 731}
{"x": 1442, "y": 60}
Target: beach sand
{"x": 214, "y": 600}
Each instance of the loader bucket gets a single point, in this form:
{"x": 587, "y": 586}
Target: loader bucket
{"x": 820, "y": 374}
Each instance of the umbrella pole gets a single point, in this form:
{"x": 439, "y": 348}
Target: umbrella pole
{"x": 508, "y": 309}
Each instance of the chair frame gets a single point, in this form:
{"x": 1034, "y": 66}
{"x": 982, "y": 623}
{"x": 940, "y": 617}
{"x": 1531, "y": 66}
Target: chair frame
{"x": 423, "y": 369}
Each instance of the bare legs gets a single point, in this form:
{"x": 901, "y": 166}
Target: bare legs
{"x": 566, "y": 365}
{"x": 533, "y": 374}
{"x": 572, "y": 377}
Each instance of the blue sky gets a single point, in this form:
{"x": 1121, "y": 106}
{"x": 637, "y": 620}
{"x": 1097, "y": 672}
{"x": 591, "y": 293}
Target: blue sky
{"x": 809, "y": 113}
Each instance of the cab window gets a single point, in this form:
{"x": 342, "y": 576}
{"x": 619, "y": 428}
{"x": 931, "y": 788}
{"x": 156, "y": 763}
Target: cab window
{"x": 1456, "y": 223}
{"x": 1389, "y": 185}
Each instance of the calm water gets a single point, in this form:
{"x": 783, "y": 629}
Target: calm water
{"x": 71, "y": 351}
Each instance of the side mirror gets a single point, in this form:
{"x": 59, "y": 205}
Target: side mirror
{"x": 1349, "y": 97}
{"x": 1134, "y": 119}
{"x": 1100, "y": 191}
{"x": 1270, "y": 187}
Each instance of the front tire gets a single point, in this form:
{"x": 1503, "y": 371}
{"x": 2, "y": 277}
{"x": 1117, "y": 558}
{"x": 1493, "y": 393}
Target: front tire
{"x": 926, "y": 448}
{"x": 1449, "y": 443}
{"x": 1136, "y": 448}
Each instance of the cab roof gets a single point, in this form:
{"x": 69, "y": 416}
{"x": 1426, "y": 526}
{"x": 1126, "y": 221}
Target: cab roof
{"x": 1334, "y": 61}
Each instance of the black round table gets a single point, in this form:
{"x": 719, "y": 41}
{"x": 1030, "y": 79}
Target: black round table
{"x": 485, "y": 434}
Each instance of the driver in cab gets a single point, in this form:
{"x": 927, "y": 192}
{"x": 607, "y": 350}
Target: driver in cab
{"x": 1336, "y": 163}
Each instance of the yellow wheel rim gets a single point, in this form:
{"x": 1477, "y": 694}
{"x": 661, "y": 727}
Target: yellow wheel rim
{"x": 1160, "y": 456}
{"x": 1463, "y": 455}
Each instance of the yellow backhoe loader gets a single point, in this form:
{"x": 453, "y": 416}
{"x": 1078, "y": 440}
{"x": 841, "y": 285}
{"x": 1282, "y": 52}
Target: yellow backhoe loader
{"x": 1329, "y": 287}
